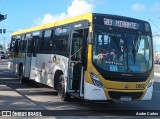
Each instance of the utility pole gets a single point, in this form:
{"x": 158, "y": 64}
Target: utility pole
{"x": 4, "y": 43}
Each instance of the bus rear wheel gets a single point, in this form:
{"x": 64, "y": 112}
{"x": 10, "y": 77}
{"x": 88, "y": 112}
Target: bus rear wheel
{"x": 64, "y": 96}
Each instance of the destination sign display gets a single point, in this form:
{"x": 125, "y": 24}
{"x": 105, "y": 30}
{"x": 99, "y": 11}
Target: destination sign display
{"x": 121, "y": 23}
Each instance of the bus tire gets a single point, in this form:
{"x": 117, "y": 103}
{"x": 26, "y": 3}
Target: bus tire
{"x": 21, "y": 75}
{"x": 64, "y": 96}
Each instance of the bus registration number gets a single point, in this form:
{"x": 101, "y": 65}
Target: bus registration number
{"x": 140, "y": 86}
{"x": 126, "y": 98}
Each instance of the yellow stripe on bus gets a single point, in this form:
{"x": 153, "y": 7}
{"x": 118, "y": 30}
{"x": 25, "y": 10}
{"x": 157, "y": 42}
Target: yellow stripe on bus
{"x": 87, "y": 16}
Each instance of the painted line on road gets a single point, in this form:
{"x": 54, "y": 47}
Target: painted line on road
{"x": 2, "y": 85}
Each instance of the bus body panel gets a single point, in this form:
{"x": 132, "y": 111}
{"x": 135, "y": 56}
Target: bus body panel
{"x": 27, "y": 67}
{"x": 47, "y": 65}
{"x": 92, "y": 92}
{"x": 32, "y": 70}
{"x": 15, "y": 60}
{"x": 11, "y": 64}
{"x": 148, "y": 94}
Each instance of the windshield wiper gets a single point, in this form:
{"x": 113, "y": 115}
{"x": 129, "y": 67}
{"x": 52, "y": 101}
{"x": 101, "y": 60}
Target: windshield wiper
{"x": 134, "y": 51}
{"x": 135, "y": 47}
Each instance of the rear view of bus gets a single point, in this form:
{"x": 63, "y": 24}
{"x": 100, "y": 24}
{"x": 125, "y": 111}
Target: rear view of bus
{"x": 120, "y": 60}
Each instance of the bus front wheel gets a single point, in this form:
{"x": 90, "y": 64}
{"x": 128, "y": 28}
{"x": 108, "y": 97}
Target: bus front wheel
{"x": 64, "y": 96}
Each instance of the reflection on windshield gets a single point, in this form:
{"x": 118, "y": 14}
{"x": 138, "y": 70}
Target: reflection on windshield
{"x": 122, "y": 52}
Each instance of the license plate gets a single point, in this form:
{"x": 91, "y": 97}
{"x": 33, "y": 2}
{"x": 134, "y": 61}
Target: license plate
{"x": 126, "y": 98}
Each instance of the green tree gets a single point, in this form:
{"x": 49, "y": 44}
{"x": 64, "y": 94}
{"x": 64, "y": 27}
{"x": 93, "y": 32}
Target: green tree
{"x": 1, "y": 47}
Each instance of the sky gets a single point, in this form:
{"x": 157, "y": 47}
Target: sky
{"x": 22, "y": 14}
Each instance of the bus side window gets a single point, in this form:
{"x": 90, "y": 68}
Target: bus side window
{"x": 16, "y": 47}
{"x": 12, "y": 44}
{"x": 62, "y": 43}
{"x": 39, "y": 45}
{"x": 46, "y": 41}
{"x": 24, "y": 43}
{"x": 61, "y": 40}
{"x": 20, "y": 44}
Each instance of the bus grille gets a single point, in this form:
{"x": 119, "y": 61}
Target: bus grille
{"x": 117, "y": 95}
{"x": 125, "y": 79}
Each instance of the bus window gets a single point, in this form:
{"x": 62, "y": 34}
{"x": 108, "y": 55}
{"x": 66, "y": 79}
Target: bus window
{"x": 77, "y": 44}
{"x": 29, "y": 46}
{"x": 12, "y": 44}
{"x": 46, "y": 42}
{"x": 20, "y": 44}
{"x": 28, "y": 39}
{"x": 23, "y": 43}
{"x": 16, "y": 47}
{"x": 60, "y": 41}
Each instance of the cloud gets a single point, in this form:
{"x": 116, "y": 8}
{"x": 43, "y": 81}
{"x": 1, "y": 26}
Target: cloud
{"x": 138, "y": 7}
{"x": 77, "y": 7}
{"x": 49, "y": 18}
{"x": 155, "y": 8}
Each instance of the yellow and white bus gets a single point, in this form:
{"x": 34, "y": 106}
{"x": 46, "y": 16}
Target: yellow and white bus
{"x": 91, "y": 56}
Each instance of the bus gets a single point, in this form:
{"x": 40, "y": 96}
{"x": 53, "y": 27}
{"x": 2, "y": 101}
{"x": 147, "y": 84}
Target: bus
{"x": 95, "y": 57}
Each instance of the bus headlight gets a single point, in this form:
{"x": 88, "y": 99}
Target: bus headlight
{"x": 96, "y": 80}
{"x": 150, "y": 83}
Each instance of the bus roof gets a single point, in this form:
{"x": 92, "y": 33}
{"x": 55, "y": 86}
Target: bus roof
{"x": 87, "y": 16}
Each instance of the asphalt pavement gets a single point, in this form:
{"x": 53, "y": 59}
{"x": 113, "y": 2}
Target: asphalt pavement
{"x": 36, "y": 97}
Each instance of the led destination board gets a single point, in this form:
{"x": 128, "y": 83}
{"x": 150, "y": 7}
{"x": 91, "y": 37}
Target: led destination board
{"x": 120, "y": 23}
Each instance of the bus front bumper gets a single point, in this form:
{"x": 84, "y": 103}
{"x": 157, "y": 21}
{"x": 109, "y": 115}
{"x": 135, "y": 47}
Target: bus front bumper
{"x": 92, "y": 92}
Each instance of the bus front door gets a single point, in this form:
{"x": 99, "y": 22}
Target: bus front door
{"x": 75, "y": 67}
{"x": 33, "y": 57}
{"x": 30, "y": 58}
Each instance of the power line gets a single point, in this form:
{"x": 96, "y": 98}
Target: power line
{"x": 5, "y": 5}
{"x": 154, "y": 24}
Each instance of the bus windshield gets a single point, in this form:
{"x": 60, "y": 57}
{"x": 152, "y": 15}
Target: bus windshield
{"x": 122, "y": 52}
